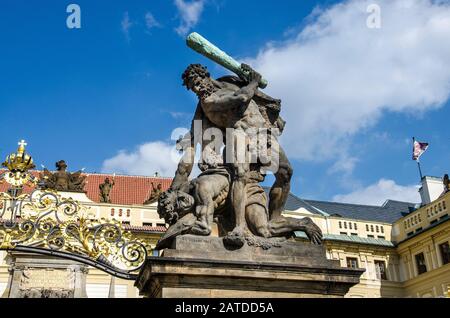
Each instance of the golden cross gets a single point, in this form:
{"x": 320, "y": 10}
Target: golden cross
{"x": 22, "y": 143}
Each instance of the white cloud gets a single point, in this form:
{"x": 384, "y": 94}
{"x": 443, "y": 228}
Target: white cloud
{"x": 151, "y": 22}
{"x": 344, "y": 165}
{"x": 145, "y": 160}
{"x": 337, "y": 76}
{"x": 190, "y": 13}
{"x": 126, "y": 25}
{"x": 379, "y": 192}
{"x": 180, "y": 115}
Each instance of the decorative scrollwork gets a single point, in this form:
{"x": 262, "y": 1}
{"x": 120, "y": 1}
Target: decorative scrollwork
{"x": 45, "y": 219}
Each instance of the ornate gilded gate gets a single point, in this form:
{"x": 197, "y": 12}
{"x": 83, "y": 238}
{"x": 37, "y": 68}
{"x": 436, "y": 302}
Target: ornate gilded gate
{"x": 43, "y": 222}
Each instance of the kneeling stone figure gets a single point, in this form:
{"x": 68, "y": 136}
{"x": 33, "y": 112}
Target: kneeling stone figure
{"x": 207, "y": 199}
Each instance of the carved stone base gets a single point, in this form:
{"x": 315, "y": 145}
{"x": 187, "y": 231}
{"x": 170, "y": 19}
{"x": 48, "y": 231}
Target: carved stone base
{"x": 37, "y": 276}
{"x": 200, "y": 267}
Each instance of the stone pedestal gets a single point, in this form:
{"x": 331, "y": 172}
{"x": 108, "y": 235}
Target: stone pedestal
{"x": 38, "y": 276}
{"x": 198, "y": 267}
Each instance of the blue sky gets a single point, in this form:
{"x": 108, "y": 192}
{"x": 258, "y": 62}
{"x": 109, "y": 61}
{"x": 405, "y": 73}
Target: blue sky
{"x": 107, "y": 96}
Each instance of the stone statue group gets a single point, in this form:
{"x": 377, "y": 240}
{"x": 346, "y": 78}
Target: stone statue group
{"x": 228, "y": 190}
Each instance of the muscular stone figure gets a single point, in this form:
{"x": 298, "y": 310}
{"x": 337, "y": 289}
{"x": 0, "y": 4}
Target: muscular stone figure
{"x": 193, "y": 212}
{"x": 62, "y": 180}
{"x": 232, "y": 103}
{"x": 105, "y": 190}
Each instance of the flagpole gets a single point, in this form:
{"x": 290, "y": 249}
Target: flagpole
{"x": 420, "y": 170}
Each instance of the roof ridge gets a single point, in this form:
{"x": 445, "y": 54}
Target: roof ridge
{"x": 397, "y": 201}
{"x": 342, "y": 203}
{"x": 105, "y": 174}
{"x": 126, "y": 175}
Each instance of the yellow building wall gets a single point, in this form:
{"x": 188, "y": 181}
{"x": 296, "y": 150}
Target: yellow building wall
{"x": 436, "y": 281}
{"x": 403, "y": 280}
{"x": 371, "y": 284}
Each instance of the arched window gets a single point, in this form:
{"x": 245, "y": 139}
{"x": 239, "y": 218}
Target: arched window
{"x": 112, "y": 212}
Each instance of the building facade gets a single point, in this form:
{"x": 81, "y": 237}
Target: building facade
{"x": 403, "y": 247}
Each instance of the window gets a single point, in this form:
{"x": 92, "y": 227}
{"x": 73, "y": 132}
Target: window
{"x": 356, "y": 226}
{"x": 378, "y": 229}
{"x": 161, "y": 224}
{"x": 148, "y": 224}
{"x": 445, "y": 253}
{"x": 421, "y": 265}
{"x": 370, "y": 236}
{"x": 340, "y": 224}
{"x": 381, "y": 237}
{"x": 343, "y": 233}
{"x": 354, "y": 234}
{"x": 345, "y": 225}
{"x": 382, "y": 229}
{"x": 380, "y": 267}
{"x": 367, "y": 227}
{"x": 126, "y": 223}
{"x": 443, "y": 205}
{"x": 120, "y": 212}
{"x": 112, "y": 212}
{"x": 350, "y": 226}
{"x": 371, "y": 228}
{"x": 128, "y": 213}
{"x": 352, "y": 262}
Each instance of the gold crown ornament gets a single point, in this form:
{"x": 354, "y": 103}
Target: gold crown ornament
{"x": 18, "y": 165}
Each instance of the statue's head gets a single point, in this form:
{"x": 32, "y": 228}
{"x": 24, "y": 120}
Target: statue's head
{"x": 61, "y": 165}
{"x": 107, "y": 181}
{"x": 197, "y": 79}
{"x": 173, "y": 205}
{"x": 447, "y": 181}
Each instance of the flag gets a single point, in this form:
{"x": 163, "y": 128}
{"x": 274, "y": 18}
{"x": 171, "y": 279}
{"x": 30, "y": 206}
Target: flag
{"x": 419, "y": 149}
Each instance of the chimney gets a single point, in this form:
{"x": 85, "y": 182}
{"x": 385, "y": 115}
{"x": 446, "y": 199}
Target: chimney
{"x": 431, "y": 189}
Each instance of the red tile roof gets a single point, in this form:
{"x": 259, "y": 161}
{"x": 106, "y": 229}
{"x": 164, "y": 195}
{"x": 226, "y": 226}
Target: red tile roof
{"x": 145, "y": 229}
{"x": 128, "y": 190}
